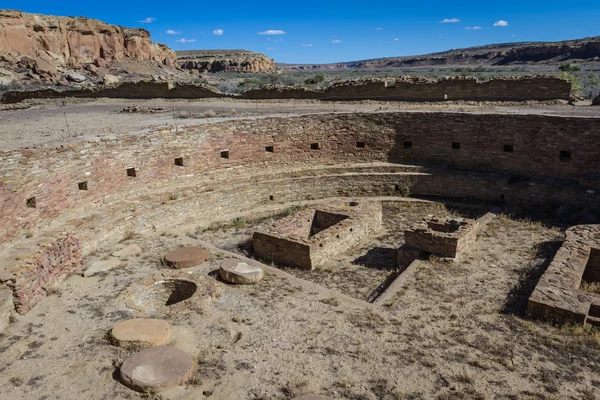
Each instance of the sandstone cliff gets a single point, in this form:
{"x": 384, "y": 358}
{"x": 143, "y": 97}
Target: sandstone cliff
{"x": 47, "y": 45}
{"x": 225, "y": 60}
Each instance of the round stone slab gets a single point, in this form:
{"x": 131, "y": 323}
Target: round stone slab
{"x": 156, "y": 369}
{"x": 239, "y": 272}
{"x": 313, "y": 397}
{"x": 140, "y": 332}
{"x": 185, "y": 257}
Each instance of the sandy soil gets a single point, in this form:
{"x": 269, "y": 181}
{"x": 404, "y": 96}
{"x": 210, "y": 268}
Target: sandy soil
{"x": 455, "y": 331}
{"x": 48, "y": 122}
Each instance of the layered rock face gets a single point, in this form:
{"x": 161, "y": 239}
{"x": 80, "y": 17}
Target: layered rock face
{"x": 225, "y": 60}
{"x": 46, "y": 44}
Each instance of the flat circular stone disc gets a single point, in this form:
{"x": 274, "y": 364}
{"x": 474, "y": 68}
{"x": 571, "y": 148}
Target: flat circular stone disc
{"x": 239, "y": 272}
{"x": 185, "y": 257}
{"x": 156, "y": 369}
{"x": 140, "y": 332}
{"x": 313, "y": 397}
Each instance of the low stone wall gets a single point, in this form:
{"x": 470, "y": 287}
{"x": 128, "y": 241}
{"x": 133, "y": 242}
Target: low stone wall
{"x": 417, "y": 89}
{"x": 32, "y": 276}
{"x": 127, "y": 90}
{"x": 421, "y": 89}
{"x": 558, "y": 295}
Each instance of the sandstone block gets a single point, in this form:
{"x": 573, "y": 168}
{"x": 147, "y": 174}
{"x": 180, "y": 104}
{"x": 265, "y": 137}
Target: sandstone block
{"x": 140, "y": 333}
{"x": 129, "y": 251}
{"x": 185, "y": 257}
{"x": 239, "y": 272}
{"x": 101, "y": 266}
{"x": 157, "y": 369}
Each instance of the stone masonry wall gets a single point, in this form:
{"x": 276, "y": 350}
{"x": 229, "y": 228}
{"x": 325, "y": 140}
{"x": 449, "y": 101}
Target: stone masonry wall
{"x": 32, "y": 276}
{"x": 39, "y": 184}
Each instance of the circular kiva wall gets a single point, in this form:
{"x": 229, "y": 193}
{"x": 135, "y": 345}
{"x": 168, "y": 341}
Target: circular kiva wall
{"x": 490, "y": 156}
{"x": 58, "y": 204}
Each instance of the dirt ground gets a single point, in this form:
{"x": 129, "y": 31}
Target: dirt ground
{"x": 455, "y": 331}
{"x": 49, "y": 122}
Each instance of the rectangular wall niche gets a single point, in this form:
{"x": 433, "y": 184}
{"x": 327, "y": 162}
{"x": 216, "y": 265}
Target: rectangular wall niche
{"x": 508, "y": 148}
{"x": 456, "y": 145}
{"x": 565, "y": 155}
{"x": 360, "y": 145}
{"x": 225, "y": 154}
{"x": 82, "y": 185}
{"x": 31, "y": 203}
{"x": 314, "y": 146}
{"x": 269, "y": 149}
{"x": 131, "y": 172}
{"x": 408, "y": 145}
{"x": 179, "y": 161}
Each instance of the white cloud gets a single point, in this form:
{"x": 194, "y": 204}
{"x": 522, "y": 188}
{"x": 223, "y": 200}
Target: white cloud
{"x": 307, "y": 45}
{"x": 378, "y": 29}
{"x": 184, "y": 40}
{"x": 337, "y": 41}
{"x": 148, "y": 20}
{"x": 272, "y": 32}
{"x": 218, "y": 32}
{"x": 396, "y": 39}
{"x": 501, "y": 23}
{"x": 270, "y": 48}
{"x": 450, "y": 20}
{"x": 172, "y": 32}
{"x": 473, "y": 28}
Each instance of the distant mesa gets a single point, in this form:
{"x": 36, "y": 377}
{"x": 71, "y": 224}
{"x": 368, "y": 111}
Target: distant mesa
{"x": 587, "y": 49}
{"x": 225, "y": 61}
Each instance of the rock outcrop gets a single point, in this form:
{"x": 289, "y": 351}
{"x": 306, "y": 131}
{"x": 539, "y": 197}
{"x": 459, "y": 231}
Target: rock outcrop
{"x": 225, "y": 60}
{"x": 46, "y": 46}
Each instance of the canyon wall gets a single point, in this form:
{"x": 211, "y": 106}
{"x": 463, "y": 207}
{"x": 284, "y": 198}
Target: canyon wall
{"x": 46, "y": 44}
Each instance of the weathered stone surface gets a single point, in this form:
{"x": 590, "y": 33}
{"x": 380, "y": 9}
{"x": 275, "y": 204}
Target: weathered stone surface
{"x": 128, "y": 251}
{"x": 313, "y": 397}
{"x": 102, "y": 266}
{"x": 6, "y": 307}
{"x": 75, "y": 42}
{"x": 75, "y": 77}
{"x": 109, "y": 79}
{"x": 157, "y": 369}
{"x": 140, "y": 333}
{"x": 185, "y": 257}
{"x": 239, "y": 272}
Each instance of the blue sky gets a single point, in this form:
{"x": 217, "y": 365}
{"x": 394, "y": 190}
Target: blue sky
{"x": 310, "y": 31}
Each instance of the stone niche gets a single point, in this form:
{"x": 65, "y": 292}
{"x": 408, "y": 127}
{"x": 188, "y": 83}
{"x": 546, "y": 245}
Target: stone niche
{"x": 314, "y": 236}
{"x": 443, "y": 237}
{"x": 560, "y": 294}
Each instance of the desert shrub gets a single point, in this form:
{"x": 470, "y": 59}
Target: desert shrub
{"x": 569, "y": 68}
